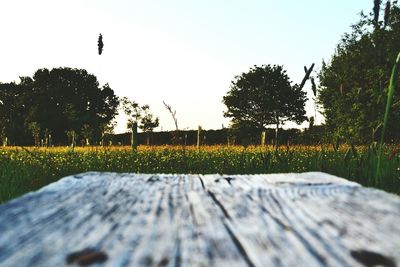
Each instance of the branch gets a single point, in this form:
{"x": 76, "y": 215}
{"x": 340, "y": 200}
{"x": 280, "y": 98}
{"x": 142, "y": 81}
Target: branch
{"x": 173, "y": 114}
{"x": 306, "y": 76}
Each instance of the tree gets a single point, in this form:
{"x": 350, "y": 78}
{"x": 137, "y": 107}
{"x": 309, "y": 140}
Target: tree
{"x": 133, "y": 111}
{"x": 136, "y": 114}
{"x": 148, "y": 123}
{"x": 66, "y": 99}
{"x": 35, "y": 129}
{"x": 13, "y": 109}
{"x": 8, "y": 98}
{"x": 87, "y": 133}
{"x": 354, "y": 83}
{"x": 107, "y": 129}
{"x": 264, "y": 96}
{"x": 59, "y": 100}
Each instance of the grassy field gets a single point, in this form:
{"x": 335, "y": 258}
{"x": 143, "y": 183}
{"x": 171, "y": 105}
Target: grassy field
{"x": 27, "y": 169}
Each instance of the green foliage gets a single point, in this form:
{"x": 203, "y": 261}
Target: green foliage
{"x": 60, "y": 100}
{"x": 394, "y": 79}
{"x": 136, "y": 114}
{"x": 13, "y": 106}
{"x": 71, "y": 135}
{"x": 148, "y": 122}
{"x": 24, "y": 170}
{"x": 87, "y": 133}
{"x": 132, "y": 110}
{"x": 355, "y": 81}
{"x": 264, "y": 96}
{"x": 34, "y": 127}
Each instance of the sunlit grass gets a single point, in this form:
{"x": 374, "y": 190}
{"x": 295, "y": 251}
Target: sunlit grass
{"x": 394, "y": 78}
{"x": 26, "y": 169}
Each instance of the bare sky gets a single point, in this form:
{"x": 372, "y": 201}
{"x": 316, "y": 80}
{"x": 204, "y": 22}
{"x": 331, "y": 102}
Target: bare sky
{"x": 183, "y": 52}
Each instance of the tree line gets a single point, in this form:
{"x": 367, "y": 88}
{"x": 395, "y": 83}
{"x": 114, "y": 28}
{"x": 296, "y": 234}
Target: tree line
{"x": 352, "y": 89}
{"x": 354, "y": 83}
{"x": 223, "y": 136}
{"x": 63, "y": 106}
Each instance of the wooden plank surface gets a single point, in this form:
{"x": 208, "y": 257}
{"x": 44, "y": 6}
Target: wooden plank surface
{"x": 109, "y": 219}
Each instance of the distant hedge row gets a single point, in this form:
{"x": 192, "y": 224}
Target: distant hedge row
{"x": 224, "y": 136}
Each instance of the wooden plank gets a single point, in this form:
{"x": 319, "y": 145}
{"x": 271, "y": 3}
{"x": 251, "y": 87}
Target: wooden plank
{"x": 321, "y": 224}
{"x": 309, "y": 219}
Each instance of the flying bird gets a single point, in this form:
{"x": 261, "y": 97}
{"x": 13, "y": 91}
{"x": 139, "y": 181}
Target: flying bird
{"x": 100, "y": 44}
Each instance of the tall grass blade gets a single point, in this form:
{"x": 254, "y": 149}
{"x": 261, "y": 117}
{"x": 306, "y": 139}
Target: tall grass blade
{"x": 392, "y": 87}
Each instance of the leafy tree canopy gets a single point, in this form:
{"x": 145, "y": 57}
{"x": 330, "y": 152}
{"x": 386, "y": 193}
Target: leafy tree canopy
{"x": 264, "y": 96}
{"x": 353, "y": 85}
{"x": 12, "y": 106}
{"x": 139, "y": 114}
{"x": 57, "y": 101}
{"x": 148, "y": 122}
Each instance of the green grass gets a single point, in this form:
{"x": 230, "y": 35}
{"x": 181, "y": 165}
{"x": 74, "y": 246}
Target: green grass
{"x": 394, "y": 78}
{"x": 22, "y": 171}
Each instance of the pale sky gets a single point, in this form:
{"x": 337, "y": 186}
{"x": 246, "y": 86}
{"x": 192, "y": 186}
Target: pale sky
{"x": 183, "y": 52}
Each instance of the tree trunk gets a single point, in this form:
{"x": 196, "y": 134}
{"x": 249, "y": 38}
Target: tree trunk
{"x": 148, "y": 138}
{"x": 102, "y": 139}
{"x": 73, "y": 141}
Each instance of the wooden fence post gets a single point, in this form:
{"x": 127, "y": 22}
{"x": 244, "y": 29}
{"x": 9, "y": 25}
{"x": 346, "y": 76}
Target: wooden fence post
{"x": 102, "y": 139}
{"x": 134, "y": 137}
{"x": 198, "y": 137}
{"x": 276, "y": 137}
{"x": 263, "y": 137}
{"x": 73, "y": 141}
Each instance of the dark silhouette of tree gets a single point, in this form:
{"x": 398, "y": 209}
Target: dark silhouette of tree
{"x": 87, "y": 133}
{"x": 132, "y": 110}
{"x": 264, "y": 96}
{"x": 55, "y": 101}
{"x": 100, "y": 44}
{"x": 148, "y": 122}
{"x": 14, "y": 105}
{"x": 52, "y": 103}
{"x": 34, "y": 127}
{"x": 134, "y": 113}
{"x": 376, "y": 9}
{"x": 387, "y": 14}
{"x": 354, "y": 82}
{"x": 139, "y": 114}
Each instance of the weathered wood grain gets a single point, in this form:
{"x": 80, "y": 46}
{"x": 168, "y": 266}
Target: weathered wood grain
{"x": 109, "y": 219}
